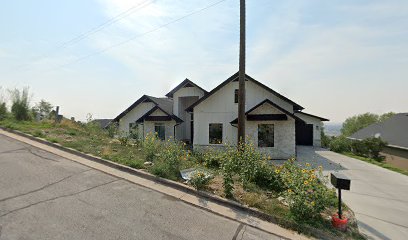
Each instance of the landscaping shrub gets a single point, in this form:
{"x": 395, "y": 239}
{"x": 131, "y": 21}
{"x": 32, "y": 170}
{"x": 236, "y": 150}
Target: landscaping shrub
{"x": 3, "y": 111}
{"x": 369, "y": 147}
{"x": 151, "y": 146}
{"x": 212, "y": 158}
{"x": 20, "y": 104}
{"x": 43, "y": 109}
{"x": 167, "y": 156}
{"x": 112, "y": 129}
{"x": 199, "y": 180}
{"x": 325, "y": 140}
{"x": 306, "y": 195}
{"x": 123, "y": 139}
{"x": 340, "y": 144}
{"x": 251, "y": 166}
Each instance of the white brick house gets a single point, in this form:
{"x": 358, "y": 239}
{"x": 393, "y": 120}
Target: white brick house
{"x": 274, "y": 123}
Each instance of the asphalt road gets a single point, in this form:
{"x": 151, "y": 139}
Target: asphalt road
{"x": 44, "y": 196}
{"x": 378, "y": 197}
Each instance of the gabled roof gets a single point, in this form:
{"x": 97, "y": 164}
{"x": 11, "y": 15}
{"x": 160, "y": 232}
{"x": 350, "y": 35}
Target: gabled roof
{"x": 102, "y": 122}
{"x": 247, "y": 78}
{"x": 310, "y": 115}
{"x": 158, "y": 118}
{"x": 164, "y": 103}
{"x": 276, "y": 116}
{"x": 186, "y": 83}
{"x": 394, "y": 131}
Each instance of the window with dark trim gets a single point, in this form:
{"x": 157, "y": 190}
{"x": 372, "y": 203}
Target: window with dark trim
{"x": 160, "y": 130}
{"x": 266, "y": 136}
{"x": 215, "y": 133}
{"x": 236, "y": 96}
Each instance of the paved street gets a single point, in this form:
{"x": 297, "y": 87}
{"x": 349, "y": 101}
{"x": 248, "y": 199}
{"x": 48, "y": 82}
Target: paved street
{"x": 44, "y": 196}
{"x": 379, "y": 197}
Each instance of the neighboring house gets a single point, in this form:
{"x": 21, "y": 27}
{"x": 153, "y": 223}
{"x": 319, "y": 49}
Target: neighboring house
{"x": 274, "y": 123}
{"x": 102, "y": 122}
{"x": 394, "y": 131}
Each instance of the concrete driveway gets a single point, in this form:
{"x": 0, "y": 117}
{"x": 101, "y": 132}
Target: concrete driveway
{"x": 379, "y": 197}
{"x": 45, "y": 196}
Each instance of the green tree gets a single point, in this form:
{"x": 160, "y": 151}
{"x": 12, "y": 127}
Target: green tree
{"x": 20, "y": 104}
{"x": 357, "y": 122}
{"x": 3, "y": 110}
{"x": 43, "y": 108}
{"x": 385, "y": 116}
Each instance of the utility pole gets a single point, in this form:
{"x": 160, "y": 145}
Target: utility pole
{"x": 241, "y": 89}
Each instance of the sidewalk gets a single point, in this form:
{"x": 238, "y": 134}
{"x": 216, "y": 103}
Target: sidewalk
{"x": 239, "y": 216}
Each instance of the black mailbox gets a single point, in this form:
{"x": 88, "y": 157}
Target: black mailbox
{"x": 340, "y": 181}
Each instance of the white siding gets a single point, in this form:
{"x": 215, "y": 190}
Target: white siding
{"x": 182, "y": 99}
{"x": 284, "y": 138}
{"x": 185, "y": 92}
{"x": 316, "y": 132}
{"x": 169, "y": 125}
{"x": 220, "y": 108}
{"x": 133, "y": 115}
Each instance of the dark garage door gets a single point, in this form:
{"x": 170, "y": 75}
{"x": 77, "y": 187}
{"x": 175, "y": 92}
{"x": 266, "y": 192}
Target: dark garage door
{"x": 304, "y": 134}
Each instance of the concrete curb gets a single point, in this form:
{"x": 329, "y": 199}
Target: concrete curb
{"x": 169, "y": 183}
{"x": 146, "y": 175}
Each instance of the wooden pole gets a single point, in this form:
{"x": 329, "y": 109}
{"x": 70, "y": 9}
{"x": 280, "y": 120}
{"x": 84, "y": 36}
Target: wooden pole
{"x": 241, "y": 91}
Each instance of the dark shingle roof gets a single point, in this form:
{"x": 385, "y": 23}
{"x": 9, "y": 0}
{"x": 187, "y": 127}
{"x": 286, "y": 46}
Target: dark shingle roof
{"x": 102, "y": 122}
{"x": 393, "y": 130}
{"x": 185, "y": 83}
{"x": 311, "y": 115}
{"x": 247, "y": 78}
{"x": 166, "y": 104}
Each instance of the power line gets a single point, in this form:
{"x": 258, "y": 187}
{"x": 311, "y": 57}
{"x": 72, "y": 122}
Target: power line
{"x": 96, "y": 29}
{"x": 140, "y": 35}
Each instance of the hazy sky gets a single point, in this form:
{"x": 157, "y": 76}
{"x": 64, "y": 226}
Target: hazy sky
{"x": 335, "y": 58}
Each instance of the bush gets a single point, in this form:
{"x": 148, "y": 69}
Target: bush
{"x": 3, "y": 111}
{"x": 167, "y": 156}
{"x": 20, "y": 104}
{"x": 199, "y": 180}
{"x": 369, "y": 147}
{"x": 306, "y": 195}
{"x": 250, "y": 165}
{"x": 151, "y": 146}
{"x": 123, "y": 139}
{"x": 340, "y": 144}
{"x": 325, "y": 140}
{"x": 112, "y": 129}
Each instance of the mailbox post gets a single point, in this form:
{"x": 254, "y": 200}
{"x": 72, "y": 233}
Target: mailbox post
{"x": 340, "y": 182}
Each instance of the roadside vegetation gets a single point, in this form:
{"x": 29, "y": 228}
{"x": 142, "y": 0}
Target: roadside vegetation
{"x": 367, "y": 150}
{"x": 294, "y": 195}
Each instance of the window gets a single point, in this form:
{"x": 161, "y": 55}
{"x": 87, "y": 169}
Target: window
{"x": 266, "y": 135}
{"x": 160, "y": 130}
{"x": 215, "y": 133}
{"x": 236, "y": 96}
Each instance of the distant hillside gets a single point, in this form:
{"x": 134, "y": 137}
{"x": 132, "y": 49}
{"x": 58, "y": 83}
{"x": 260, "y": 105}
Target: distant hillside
{"x": 332, "y": 129}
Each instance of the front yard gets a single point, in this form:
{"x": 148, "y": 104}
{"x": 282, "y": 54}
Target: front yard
{"x": 293, "y": 194}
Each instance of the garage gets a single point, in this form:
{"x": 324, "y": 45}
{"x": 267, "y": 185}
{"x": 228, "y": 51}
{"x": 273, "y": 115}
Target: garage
{"x": 304, "y": 134}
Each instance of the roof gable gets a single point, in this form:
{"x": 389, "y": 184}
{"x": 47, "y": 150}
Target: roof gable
{"x": 247, "y": 78}
{"x": 270, "y": 116}
{"x": 164, "y": 103}
{"x": 149, "y": 116}
{"x": 313, "y": 116}
{"x": 186, "y": 83}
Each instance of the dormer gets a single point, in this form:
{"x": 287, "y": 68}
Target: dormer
{"x": 185, "y": 94}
